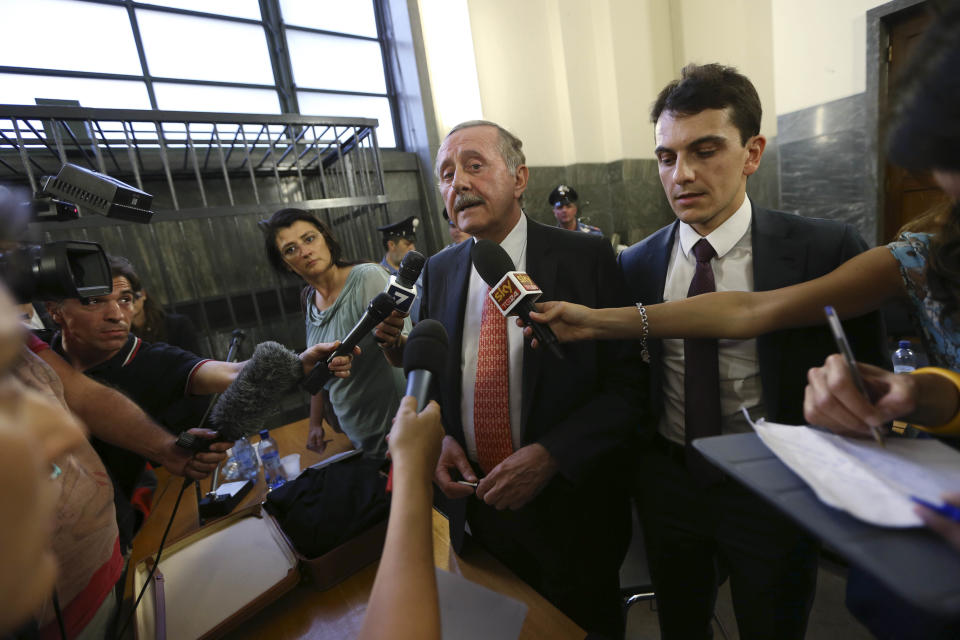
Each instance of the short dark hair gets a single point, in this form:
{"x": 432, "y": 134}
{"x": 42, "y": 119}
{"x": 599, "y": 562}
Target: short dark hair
{"x": 120, "y": 267}
{"x": 285, "y": 218}
{"x": 712, "y": 86}
{"x": 154, "y": 327}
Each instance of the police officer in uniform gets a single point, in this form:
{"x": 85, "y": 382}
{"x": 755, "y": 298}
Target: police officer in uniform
{"x": 398, "y": 239}
{"x": 563, "y": 199}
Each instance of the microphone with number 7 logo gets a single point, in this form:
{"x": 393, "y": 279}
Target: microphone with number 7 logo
{"x": 402, "y": 287}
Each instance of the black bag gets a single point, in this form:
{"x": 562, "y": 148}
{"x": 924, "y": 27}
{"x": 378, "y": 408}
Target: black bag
{"x": 325, "y": 507}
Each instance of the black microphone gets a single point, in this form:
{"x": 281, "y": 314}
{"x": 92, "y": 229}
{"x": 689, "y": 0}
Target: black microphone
{"x": 402, "y": 287}
{"x": 513, "y": 292}
{"x": 379, "y": 308}
{"x": 424, "y": 359}
{"x": 239, "y": 411}
{"x": 236, "y": 339}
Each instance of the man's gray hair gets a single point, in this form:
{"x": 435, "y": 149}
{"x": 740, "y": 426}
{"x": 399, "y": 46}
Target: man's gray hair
{"x": 509, "y": 145}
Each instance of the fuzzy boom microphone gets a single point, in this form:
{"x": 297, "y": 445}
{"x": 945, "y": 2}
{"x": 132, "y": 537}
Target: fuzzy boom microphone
{"x": 271, "y": 371}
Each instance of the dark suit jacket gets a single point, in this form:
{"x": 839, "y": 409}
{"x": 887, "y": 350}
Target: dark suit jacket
{"x": 787, "y": 249}
{"x": 584, "y": 409}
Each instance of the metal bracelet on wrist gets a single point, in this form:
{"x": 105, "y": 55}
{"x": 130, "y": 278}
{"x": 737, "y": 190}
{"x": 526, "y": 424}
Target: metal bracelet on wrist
{"x": 645, "y": 328}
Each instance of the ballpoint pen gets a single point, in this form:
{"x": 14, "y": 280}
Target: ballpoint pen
{"x": 844, "y": 347}
{"x": 946, "y": 509}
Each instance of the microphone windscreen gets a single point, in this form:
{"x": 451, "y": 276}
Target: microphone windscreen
{"x": 410, "y": 268}
{"x": 426, "y": 348}
{"x": 491, "y": 261}
{"x": 381, "y": 306}
{"x": 271, "y": 371}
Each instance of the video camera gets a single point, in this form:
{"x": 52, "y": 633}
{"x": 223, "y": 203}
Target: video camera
{"x": 63, "y": 269}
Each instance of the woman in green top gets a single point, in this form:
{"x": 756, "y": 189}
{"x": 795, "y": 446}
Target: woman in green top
{"x": 336, "y": 295}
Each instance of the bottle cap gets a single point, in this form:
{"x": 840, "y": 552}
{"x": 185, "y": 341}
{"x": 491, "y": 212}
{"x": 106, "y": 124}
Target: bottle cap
{"x": 903, "y": 344}
{"x": 265, "y": 433}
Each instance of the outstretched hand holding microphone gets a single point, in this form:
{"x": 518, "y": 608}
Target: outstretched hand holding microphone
{"x": 405, "y": 579}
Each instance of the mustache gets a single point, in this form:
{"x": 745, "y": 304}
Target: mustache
{"x": 465, "y": 200}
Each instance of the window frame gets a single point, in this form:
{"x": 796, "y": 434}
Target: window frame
{"x": 275, "y": 32}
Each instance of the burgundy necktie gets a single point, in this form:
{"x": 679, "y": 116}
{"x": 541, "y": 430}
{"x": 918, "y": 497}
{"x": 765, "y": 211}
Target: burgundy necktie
{"x": 701, "y": 379}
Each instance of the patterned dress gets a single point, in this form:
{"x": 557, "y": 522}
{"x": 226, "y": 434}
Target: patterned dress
{"x": 940, "y": 335}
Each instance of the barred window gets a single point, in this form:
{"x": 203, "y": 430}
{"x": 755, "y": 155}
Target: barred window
{"x": 313, "y": 57}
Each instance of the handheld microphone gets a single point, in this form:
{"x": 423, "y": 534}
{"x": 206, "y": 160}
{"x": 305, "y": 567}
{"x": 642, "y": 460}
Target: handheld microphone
{"x": 236, "y": 339}
{"x": 378, "y": 309}
{"x": 402, "y": 287}
{"x": 241, "y": 408}
{"x": 424, "y": 359}
{"x": 512, "y": 291}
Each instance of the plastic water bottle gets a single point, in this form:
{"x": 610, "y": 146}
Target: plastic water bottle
{"x": 904, "y": 360}
{"x": 246, "y": 459}
{"x": 270, "y": 457}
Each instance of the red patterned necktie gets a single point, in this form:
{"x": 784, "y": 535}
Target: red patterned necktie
{"x": 491, "y": 393}
{"x": 701, "y": 376}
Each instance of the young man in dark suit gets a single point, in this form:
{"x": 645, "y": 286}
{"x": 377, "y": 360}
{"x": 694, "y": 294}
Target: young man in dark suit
{"x": 545, "y": 438}
{"x": 698, "y": 524}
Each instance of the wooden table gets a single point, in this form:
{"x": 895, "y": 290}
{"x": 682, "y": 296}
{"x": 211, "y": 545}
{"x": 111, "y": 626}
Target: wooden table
{"x": 338, "y": 612}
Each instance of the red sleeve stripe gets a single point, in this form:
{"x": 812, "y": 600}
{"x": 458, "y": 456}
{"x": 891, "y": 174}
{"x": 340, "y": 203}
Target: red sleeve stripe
{"x": 193, "y": 372}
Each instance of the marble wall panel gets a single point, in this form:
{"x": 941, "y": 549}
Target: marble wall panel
{"x": 645, "y": 209}
{"x": 824, "y": 169}
{"x": 622, "y": 197}
{"x": 763, "y": 187}
{"x": 830, "y": 117}
{"x": 542, "y": 182}
{"x": 823, "y": 177}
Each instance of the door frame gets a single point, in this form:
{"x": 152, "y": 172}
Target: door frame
{"x": 878, "y": 42}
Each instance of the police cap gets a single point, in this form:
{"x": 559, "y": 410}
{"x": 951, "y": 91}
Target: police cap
{"x": 406, "y": 228}
{"x": 562, "y": 195}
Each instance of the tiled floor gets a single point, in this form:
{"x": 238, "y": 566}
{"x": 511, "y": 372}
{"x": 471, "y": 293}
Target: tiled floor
{"x": 829, "y": 619}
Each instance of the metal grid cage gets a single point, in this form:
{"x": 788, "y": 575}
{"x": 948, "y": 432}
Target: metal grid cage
{"x": 213, "y": 177}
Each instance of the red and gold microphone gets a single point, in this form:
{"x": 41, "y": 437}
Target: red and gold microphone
{"x": 514, "y": 292}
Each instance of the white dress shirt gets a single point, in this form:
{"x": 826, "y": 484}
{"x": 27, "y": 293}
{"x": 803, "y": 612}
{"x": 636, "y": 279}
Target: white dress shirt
{"x": 739, "y": 368}
{"x": 515, "y": 244}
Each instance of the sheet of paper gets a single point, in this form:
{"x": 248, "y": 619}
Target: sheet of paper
{"x": 869, "y": 482}
{"x": 924, "y": 468}
{"x": 469, "y": 611}
{"x": 230, "y": 488}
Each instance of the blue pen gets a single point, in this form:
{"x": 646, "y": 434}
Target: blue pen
{"x": 946, "y": 509}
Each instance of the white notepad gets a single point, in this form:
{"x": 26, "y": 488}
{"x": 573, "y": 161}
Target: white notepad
{"x": 869, "y": 482}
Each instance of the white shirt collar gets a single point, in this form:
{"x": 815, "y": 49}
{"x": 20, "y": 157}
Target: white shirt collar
{"x": 724, "y": 237}
{"x": 515, "y": 244}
